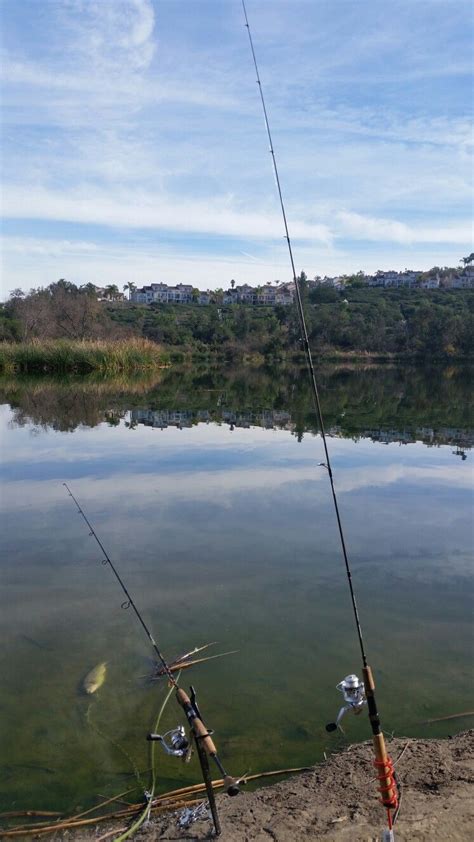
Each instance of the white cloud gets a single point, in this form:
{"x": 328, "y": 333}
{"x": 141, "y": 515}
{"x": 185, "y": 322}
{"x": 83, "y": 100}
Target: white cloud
{"x": 221, "y": 485}
{"x": 128, "y": 121}
{"x": 219, "y": 216}
{"x": 360, "y": 227}
{"x": 42, "y": 261}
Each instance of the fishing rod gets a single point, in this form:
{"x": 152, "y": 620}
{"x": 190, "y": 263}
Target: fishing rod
{"x": 178, "y": 745}
{"x": 383, "y": 763}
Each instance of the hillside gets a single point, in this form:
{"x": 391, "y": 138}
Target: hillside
{"x": 438, "y": 323}
{"x": 429, "y": 324}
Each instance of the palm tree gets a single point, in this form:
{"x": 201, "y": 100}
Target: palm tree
{"x": 111, "y": 291}
{"x": 131, "y": 287}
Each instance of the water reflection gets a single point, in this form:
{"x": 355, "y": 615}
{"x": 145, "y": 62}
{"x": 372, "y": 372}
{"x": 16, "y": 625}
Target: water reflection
{"x": 384, "y": 404}
{"x": 221, "y": 524}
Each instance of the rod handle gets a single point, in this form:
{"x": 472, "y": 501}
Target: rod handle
{"x": 387, "y": 785}
{"x": 369, "y": 682}
{"x": 383, "y": 763}
{"x": 200, "y": 731}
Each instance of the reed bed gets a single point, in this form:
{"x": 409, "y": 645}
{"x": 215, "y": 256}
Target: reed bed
{"x": 80, "y": 357}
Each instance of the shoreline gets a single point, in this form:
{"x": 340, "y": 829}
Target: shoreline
{"x": 336, "y": 801}
{"x": 81, "y": 358}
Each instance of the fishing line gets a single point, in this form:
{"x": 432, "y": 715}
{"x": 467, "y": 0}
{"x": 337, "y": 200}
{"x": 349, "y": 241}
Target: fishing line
{"x": 145, "y": 815}
{"x": 307, "y": 349}
{"x": 129, "y": 603}
{"x": 205, "y": 746}
{"x": 383, "y": 763}
{"x": 116, "y": 745}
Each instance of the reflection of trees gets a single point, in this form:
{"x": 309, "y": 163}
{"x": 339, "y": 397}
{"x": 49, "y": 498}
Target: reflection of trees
{"x": 65, "y": 404}
{"x": 355, "y": 399}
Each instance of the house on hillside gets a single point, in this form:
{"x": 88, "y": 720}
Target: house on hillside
{"x": 394, "y": 280}
{"x": 163, "y": 294}
{"x": 430, "y": 283}
{"x": 285, "y": 294}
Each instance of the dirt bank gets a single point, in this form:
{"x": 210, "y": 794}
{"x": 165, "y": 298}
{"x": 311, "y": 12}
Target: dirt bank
{"x": 337, "y": 801}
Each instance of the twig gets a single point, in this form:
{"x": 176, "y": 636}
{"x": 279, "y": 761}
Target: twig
{"x": 103, "y": 804}
{"x": 13, "y": 814}
{"x": 108, "y": 816}
{"x": 110, "y": 833}
{"x": 169, "y": 801}
{"x": 402, "y": 752}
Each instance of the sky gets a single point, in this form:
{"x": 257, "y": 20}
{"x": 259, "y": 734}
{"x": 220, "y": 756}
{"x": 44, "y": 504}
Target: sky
{"x": 134, "y": 147}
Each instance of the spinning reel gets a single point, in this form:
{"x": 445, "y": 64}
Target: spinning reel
{"x": 353, "y": 693}
{"x": 175, "y": 743}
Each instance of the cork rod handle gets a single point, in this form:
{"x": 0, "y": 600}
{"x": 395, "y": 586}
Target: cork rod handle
{"x": 200, "y": 731}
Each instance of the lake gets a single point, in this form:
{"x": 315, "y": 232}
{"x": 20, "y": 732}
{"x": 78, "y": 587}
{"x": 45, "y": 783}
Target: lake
{"x": 205, "y": 487}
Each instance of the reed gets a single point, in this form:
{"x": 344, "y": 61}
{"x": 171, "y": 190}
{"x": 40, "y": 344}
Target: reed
{"x": 80, "y": 357}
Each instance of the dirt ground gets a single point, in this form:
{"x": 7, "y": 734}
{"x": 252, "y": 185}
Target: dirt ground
{"x": 337, "y": 801}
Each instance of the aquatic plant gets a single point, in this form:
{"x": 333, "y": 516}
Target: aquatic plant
{"x": 80, "y": 357}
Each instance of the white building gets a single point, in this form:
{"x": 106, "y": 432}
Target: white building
{"x": 394, "y": 279}
{"x": 163, "y": 294}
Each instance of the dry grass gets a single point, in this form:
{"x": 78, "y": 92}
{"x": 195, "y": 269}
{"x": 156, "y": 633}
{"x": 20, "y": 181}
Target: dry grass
{"x": 80, "y": 357}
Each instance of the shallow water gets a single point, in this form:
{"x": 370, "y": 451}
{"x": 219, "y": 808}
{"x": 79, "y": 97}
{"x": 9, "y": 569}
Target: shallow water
{"x": 206, "y": 491}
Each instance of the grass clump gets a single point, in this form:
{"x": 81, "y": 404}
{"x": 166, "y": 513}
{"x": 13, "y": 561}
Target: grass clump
{"x": 80, "y": 356}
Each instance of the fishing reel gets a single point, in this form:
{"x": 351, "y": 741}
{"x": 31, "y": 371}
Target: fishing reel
{"x": 353, "y": 693}
{"x": 174, "y": 743}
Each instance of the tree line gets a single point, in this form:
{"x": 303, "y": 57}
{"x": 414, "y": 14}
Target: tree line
{"x": 412, "y": 322}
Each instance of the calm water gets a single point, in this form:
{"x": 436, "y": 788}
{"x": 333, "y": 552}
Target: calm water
{"x": 205, "y": 489}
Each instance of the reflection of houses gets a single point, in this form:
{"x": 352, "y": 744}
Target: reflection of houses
{"x": 268, "y": 418}
{"x": 162, "y": 418}
{"x": 281, "y": 419}
{"x": 447, "y": 436}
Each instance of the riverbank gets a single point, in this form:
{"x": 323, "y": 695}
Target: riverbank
{"x": 336, "y": 801}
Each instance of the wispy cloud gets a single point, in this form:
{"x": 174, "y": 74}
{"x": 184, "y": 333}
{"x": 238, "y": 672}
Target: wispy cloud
{"x": 211, "y": 485}
{"x": 360, "y": 227}
{"x": 125, "y": 120}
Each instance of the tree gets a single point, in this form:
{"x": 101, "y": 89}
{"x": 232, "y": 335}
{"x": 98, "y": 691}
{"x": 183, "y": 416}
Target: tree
{"x": 357, "y": 281}
{"x": 62, "y": 310}
{"x": 89, "y": 289}
{"x": 467, "y": 260}
{"x": 131, "y": 287}
{"x": 111, "y": 292}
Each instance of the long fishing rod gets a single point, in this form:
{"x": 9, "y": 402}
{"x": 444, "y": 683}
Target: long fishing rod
{"x": 383, "y": 762}
{"x": 204, "y": 743}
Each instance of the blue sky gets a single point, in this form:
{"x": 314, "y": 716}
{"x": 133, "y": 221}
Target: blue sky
{"x": 134, "y": 147}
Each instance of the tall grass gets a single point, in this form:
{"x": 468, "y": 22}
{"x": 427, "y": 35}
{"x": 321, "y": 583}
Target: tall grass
{"x": 80, "y": 357}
